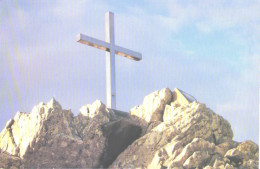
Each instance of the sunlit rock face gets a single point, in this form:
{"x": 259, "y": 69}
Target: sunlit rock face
{"x": 50, "y": 136}
{"x": 153, "y": 105}
{"x": 187, "y": 135}
{"x": 171, "y": 129}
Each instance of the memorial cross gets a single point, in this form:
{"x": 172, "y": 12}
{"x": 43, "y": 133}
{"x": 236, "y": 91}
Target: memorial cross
{"x": 111, "y": 49}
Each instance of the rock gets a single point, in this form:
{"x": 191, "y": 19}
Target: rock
{"x": 190, "y": 135}
{"x": 197, "y": 159}
{"x": 200, "y": 147}
{"x": 91, "y": 110}
{"x": 224, "y": 147}
{"x": 51, "y": 137}
{"x": 251, "y": 164}
{"x": 219, "y": 163}
{"x": 196, "y": 120}
{"x": 9, "y": 161}
{"x": 245, "y": 155}
{"x": 249, "y": 149}
{"x": 180, "y": 97}
{"x": 119, "y": 134}
{"x": 182, "y": 124}
{"x": 169, "y": 130}
{"x": 228, "y": 166}
{"x": 153, "y": 105}
{"x": 23, "y": 130}
{"x": 235, "y": 156}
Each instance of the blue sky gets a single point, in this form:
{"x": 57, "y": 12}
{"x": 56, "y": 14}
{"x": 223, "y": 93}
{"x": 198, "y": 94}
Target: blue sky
{"x": 208, "y": 49}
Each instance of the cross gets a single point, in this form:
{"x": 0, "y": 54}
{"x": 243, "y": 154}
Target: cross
{"x": 111, "y": 49}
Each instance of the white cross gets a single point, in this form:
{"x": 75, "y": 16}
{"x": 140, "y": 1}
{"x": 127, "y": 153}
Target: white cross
{"x": 111, "y": 49}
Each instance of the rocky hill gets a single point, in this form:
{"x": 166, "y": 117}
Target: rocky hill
{"x": 169, "y": 130}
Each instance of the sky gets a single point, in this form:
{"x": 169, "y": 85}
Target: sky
{"x": 209, "y": 49}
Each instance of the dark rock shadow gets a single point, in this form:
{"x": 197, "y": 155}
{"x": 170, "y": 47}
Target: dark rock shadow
{"x": 120, "y": 134}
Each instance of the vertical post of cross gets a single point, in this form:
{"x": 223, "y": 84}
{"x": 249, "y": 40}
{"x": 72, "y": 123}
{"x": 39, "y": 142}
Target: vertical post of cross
{"x": 110, "y": 61}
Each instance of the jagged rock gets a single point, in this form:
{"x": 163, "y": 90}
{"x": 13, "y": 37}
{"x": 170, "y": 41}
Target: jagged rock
{"x": 51, "y": 137}
{"x": 169, "y": 130}
{"x": 249, "y": 149}
{"x": 244, "y": 155}
{"x": 26, "y": 129}
{"x": 180, "y": 97}
{"x": 91, "y": 110}
{"x": 153, "y": 105}
{"x": 168, "y": 143}
{"x": 235, "y": 156}
{"x": 224, "y": 147}
{"x": 197, "y": 159}
{"x": 198, "y": 150}
{"x": 219, "y": 163}
{"x": 196, "y": 120}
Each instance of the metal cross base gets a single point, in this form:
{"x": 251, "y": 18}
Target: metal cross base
{"x": 111, "y": 49}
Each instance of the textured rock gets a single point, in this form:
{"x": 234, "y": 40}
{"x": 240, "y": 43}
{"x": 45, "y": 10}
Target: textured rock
{"x": 197, "y": 159}
{"x": 9, "y": 161}
{"x": 169, "y": 130}
{"x": 249, "y": 149}
{"x": 181, "y": 98}
{"x": 189, "y": 136}
{"x": 196, "y": 120}
{"x": 235, "y": 156}
{"x": 219, "y": 163}
{"x": 153, "y": 105}
{"x": 224, "y": 147}
{"x": 245, "y": 155}
{"x": 51, "y": 137}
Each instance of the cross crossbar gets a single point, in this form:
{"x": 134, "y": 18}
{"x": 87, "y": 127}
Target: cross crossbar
{"x": 87, "y": 40}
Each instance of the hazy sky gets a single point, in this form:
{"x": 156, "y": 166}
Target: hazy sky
{"x": 210, "y": 49}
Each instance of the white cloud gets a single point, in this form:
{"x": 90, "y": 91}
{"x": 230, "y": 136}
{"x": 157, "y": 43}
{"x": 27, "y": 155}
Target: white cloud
{"x": 214, "y": 15}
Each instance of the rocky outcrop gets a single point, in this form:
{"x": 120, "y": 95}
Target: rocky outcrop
{"x": 51, "y": 137}
{"x": 189, "y": 135}
{"x": 169, "y": 130}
